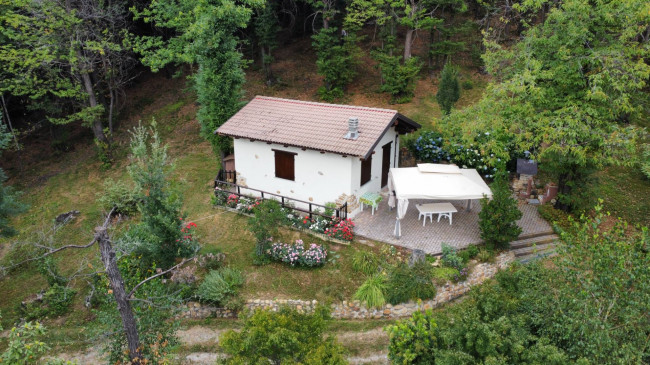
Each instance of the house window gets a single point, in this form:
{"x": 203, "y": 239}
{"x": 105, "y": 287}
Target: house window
{"x": 285, "y": 165}
{"x": 366, "y": 169}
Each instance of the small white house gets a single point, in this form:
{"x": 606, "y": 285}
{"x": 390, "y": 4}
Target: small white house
{"x": 315, "y": 152}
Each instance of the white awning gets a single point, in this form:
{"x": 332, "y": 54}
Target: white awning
{"x": 443, "y": 182}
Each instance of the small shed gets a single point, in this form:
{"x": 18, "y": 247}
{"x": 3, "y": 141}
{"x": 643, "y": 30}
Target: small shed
{"x": 315, "y": 152}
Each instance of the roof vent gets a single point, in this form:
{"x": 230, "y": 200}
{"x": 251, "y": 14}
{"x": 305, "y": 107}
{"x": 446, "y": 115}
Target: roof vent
{"x": 353, "y": 128}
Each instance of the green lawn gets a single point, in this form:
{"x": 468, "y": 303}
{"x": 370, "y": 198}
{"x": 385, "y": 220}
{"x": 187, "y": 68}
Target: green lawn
{"x": 626, "y": 194}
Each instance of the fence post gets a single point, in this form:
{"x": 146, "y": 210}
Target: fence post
{"x": 238, "y": 190}
{"x": 310, "y": 213}
{"x": 262, "y": 195}
{"x": 282, "y": 201}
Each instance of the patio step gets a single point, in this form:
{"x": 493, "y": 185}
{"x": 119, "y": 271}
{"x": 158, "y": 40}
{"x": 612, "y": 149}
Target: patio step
{"x": 530, "y": 240}
{"x": 534, "y": 247}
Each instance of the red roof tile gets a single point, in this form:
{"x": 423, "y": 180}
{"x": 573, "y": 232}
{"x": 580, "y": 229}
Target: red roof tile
{"x": 312, "y": 125}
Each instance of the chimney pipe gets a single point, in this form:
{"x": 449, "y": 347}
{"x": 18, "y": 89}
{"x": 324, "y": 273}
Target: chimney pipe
{"x": 353, "y": 128}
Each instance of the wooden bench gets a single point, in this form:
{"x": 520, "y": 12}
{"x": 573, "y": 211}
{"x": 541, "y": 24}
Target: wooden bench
{"x": 428, "y": 210}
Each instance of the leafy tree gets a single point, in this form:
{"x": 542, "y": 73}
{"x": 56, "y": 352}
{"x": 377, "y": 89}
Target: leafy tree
{"x": 282, "y": 337}
{"x": 9, "y": 204}
{"x": 590, "y": 306}
{"x": 336, "y": 61}
{"x": 205, "y": 35}
{"x": 266, "y": 29}
{"x": 162, "y": 217}
{"x": 74, "y": 54}
{"x": 569, "y": 89}
{"x": 448, "y": 88}
{"x": 398, "y": 79}
{"x": 498, "y": 217}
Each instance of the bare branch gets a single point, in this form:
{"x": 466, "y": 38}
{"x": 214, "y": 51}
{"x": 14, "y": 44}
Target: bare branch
{"x": 157, "y": 275}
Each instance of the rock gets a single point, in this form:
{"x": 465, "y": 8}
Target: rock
{"x": 416, "y": 257}
{"x": 66, "y": 217}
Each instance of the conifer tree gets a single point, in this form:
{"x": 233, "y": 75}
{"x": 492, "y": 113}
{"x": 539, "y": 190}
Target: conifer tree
{"x": 448, "y": 88}
{"x": 498, "y": 217}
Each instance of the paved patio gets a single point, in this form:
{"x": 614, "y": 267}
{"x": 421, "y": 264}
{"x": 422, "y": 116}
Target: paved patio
{"x": 463, "y": 232}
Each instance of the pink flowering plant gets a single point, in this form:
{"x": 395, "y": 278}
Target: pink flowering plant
{"x": 248, "y": 205}
{"x": 342, "y": 229}
{"x": 232, "y": 201}
{"x": 297, "y": 254}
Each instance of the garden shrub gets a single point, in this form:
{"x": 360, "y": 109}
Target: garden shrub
{"x": 297, "y": 255}
{"x": 467, "y": 85}
{"x": 498, "y": 216}
{"x": 341, "y": 229}
{"x": 442, "y": 275}
{"x": 432, "y": 147}
{"x": 365, "y": 262}
{"x": 410, "y": 283}
{"x": 559, "y": 219}
{"x": 372, "y": 290}
{"x": 25, "y": 346}
{"x": 56, "y": 302}
{"x": 120, "y": 196}
{"x": 645, "y": 160}
{"x": 282, "y": 337}
{"x": 264, "y": 225}
{"x": 399, "y": 78}
{"x": 485, "y": 255}
{"x": 468, "y": 253}
{"x": 219, "y": 285}
{"x": 450, "y": 257}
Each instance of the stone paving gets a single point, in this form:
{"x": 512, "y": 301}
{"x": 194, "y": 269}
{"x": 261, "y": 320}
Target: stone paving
{"x": 463, "y": 232}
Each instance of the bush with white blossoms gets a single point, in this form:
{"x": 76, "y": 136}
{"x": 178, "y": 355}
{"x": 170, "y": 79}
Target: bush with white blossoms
{"x": 297, "y": 255}
{"x": 430, "y": 147}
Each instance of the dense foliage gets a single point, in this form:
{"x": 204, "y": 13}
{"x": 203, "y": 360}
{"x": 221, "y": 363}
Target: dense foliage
{"x": 434, "y": 147}
{"x": 26, "y": 346}
{"x": 336, "y": 62}
{"x": 9, "y": 203}
{"x": 282, "y": 337}
{"x": 498, "y": 216}
{"x": 591, "y": 306}
{"x": 221, "y": 286}
{"x": 371, "y": 292}
{"x": 448, "y": 88}
{"x": 406, "y": 283}
{"x": 162, "y": 235}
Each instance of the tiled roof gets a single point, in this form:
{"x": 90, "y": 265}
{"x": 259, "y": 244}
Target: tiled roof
{"x": 312, "y": 125}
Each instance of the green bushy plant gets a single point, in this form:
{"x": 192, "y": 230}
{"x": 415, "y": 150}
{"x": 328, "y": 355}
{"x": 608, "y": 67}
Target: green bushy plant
{"x": 336, "y": 61}
{"x": 467, "y": 85}
{"x": 220, "y": 285}
{"x": 410, "y": 283}
{"x": 120, "y": 196}
{"x": 468, "y": 253}
{"x": 56, "y": 302}
{"x": 365, "y": 262}
{"x": 559, "y": 219}
{"x": 645, "y": 160}
{"x": 498, "y": 216}
{"x": 269, "y": 215}
{"x": 282, "y": 337}
{"x": 485, "y": 255}
{"x": 25, "y": 346}
{"x": 450, "y": 257}
{"x": 448, "y": 88}
{"x": 372, "y": 290}
{"x": 441, "y": 275}
{"x": 398, "y": 77}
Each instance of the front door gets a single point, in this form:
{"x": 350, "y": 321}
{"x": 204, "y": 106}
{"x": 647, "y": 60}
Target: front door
{"x": 385, "y": 163}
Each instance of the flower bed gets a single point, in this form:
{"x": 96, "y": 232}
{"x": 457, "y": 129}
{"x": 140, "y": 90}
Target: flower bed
{"x": 335, "y": 229}
{"x": 297, "y": 255}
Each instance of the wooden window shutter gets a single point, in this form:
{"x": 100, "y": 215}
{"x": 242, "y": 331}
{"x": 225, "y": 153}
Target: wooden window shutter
{"x": 366, "y": 170}
{"x": 285, "y": 165}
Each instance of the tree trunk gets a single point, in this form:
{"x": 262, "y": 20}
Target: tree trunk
{"x": 11, "y": 128}
{"x": 407, "y": 44}
{"x": 117, "y": 285}
{"x": 97, "y": 126}
{"x": 563, "y": 190}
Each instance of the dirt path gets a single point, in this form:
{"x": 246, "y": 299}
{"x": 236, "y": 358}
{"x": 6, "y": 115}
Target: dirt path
{"x": 368, "y": 347}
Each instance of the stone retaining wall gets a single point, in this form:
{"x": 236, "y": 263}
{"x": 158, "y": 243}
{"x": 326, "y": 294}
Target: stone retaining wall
{"x": 354, "y": 309}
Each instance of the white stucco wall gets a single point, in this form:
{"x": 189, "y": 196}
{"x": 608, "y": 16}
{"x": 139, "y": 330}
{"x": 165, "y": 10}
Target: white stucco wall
{"x": 375, "y": 175}
{"x": 319, "y": 177}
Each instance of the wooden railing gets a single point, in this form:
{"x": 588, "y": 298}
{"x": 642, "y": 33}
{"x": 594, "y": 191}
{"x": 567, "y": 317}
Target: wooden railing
{"x": 226, "y": 181}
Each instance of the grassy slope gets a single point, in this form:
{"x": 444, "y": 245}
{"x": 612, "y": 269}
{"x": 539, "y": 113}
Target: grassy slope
{"x": 54, "y": 183}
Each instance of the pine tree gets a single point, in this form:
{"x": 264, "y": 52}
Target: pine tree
{"x": 498, "y": 217}
{"x": 448, "y": 88}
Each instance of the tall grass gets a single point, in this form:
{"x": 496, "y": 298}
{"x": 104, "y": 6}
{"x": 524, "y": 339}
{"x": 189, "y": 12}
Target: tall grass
{"x": 372, "y": 291}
